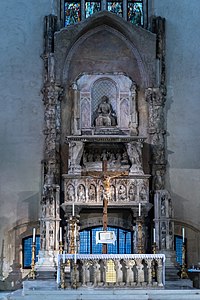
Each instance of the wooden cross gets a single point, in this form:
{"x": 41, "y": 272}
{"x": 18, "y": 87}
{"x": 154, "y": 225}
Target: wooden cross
{"x": 105, "y": 175}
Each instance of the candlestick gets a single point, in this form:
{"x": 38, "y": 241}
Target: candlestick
{"x": 32, "y": 274}
{"x": 139, "y": 209}
{"x": 33, "y": 235}
{"x": 60, "y": 234}
{"x": 154, "y": 235}
{"x": 184, "y": 274}
{"x": 183, "y": 234}
{"x": 75, "y": 243}
{"x": 73, "y": 209}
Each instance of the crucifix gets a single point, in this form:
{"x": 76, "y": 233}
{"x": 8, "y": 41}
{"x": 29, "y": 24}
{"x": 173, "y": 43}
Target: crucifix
{"x": 106, "y": 176}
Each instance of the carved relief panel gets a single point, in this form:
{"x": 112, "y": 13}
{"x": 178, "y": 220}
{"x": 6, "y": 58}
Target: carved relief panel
{"x": 87, "y": 190}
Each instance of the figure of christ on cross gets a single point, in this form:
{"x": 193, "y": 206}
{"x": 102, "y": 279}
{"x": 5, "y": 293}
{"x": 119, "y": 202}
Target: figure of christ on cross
{"x": 106, "y": 176}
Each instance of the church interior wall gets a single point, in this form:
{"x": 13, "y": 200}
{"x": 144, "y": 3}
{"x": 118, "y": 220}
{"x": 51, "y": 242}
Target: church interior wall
{"x": 182, "y": 111}
{"x": 21, "y": 122}
{"x": 22, "y": 115}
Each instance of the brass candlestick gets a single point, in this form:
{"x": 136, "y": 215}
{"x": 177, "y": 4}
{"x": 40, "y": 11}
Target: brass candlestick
{"x": 154, "y": 248}
{"x": 60, "y": 247}
{"x": 32, "y": 274}
{"x": 74, "y": 275}
{"x": 184, "y": 274}
{"x": 62, "y": 274}
{"x": 73, "y": 232}
{"x": 140, "y": 239}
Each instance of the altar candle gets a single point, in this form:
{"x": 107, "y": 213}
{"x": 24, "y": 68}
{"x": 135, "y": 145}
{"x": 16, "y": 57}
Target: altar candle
{"x": 60, "y": 234}
{"x": 154, "y": 235}
{"x": 139, "y": 209}
{"x": 75, "y": 244}
{"x": 183, "y": 234}
{"x": 33, "y": 235}
{"x": 73, "y": 209}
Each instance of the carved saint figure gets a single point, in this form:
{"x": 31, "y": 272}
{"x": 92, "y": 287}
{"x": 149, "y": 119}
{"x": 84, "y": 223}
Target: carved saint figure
{"x": 134, "y": 153}
{"x": 124, "y": 158}
{"x": 92, "y": 193}
{"x": 81, "y": 193}
{"x": 112, "y": 193}
{"x": 163, "y": 210}
{"x": 70, "y": 193}
{"x": 143, "y": 193}
{"x": 101, "y": 192}
{"x": 132, "y": 192}
{"x": 159, "y": 180}
{"x": 122, "y": 192}
{"x": 105, "y": 114}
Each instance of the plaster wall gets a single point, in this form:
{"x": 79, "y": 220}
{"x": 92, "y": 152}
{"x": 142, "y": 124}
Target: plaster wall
{"x": 21, "y": 113}
{"x": 182, "y": 107}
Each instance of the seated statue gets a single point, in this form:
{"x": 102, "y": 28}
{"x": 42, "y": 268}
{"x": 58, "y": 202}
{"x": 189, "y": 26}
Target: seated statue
{"x": 105, "y": 114}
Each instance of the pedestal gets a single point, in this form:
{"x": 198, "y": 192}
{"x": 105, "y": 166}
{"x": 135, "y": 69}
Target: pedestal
{"x": 46, "y": 265}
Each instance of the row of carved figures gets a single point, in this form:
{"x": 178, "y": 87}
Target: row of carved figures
{"x": 119, "y": 193}
{"x": 110, "y": 156}
{"x": 124, "y": 272}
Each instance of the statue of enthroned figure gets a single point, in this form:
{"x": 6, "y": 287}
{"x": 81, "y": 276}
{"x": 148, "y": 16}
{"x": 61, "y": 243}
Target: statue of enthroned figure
{"x": 105, "y": 115}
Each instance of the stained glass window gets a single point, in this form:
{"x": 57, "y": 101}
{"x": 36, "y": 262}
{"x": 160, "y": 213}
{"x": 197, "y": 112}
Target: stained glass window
{"x": 130, "y": 10}
{"x": 178, "y": 248}
{"x": 123, "y": 244}
{"x": 116, "y": 8}
{"x": 91, "y": 8}
{"x": 72, "y": 13}
{"x": 135, "y": 12}
{"x": 27, "y": 250}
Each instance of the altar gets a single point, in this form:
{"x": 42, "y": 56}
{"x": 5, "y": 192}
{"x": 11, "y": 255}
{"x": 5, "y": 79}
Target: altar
{"x": 111, "y": 270}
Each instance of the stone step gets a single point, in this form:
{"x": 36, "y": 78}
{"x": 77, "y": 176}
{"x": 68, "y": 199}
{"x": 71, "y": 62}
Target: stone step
{"x": 105, "y": 294}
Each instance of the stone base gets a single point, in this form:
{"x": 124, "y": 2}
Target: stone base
{"x": 38, "y": 285}
{"x": 46, "y": 267}
{"x": 171, "y": 269}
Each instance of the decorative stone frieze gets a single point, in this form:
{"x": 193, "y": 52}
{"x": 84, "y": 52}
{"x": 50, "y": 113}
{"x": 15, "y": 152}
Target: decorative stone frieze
{"x": 86, "y": 190}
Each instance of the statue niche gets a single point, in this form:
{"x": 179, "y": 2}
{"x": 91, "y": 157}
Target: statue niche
{"x": 105, "y": 116}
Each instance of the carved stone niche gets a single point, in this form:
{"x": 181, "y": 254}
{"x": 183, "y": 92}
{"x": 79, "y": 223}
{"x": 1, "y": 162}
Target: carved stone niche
{"x": 164, "y": 223}
{"x": 104, "y": 104}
